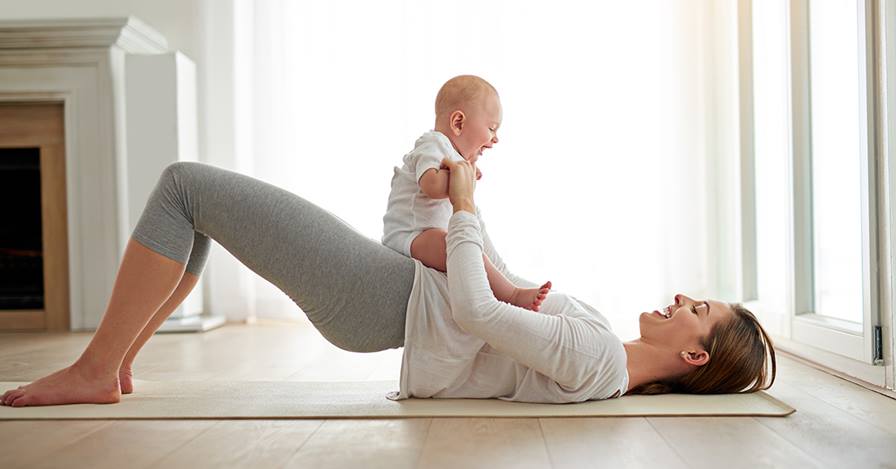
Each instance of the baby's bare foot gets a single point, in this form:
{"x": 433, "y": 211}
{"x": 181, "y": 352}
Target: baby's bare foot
{"x": 530, "y": 298}
{"x": 70, "y": 385}
{"x": 126, "y": 380}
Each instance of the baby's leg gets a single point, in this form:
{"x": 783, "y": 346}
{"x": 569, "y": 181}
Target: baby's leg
{"x": 506, "y": 291}
{"x": 430, "y": 248}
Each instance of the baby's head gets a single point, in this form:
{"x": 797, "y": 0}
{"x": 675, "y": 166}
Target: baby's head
{"x": 468, "y": 111}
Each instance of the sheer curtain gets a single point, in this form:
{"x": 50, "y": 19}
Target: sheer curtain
{"x": 599, "y": 182}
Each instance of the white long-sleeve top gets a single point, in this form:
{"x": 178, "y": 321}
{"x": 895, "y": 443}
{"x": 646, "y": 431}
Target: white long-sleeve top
{"x": 461, "y": 342}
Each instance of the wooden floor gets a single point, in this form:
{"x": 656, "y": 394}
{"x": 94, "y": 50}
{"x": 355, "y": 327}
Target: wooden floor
{"x": 837, "y": 424}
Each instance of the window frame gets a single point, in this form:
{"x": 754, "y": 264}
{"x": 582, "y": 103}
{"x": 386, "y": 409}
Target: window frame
{"x": 843, "y": 345}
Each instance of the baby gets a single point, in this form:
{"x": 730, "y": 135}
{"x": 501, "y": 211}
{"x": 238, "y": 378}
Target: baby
{"x": 468, "y": 114}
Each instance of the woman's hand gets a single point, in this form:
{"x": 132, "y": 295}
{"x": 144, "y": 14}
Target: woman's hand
{"x": 461, "y": 184}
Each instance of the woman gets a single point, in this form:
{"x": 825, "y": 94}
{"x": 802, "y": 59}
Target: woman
{"x": 458, "y": 340}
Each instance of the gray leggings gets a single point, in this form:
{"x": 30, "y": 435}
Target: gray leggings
{"x": 354, "y": 290}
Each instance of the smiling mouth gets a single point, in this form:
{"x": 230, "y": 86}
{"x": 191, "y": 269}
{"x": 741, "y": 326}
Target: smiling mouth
{"x": 666, "y": 313}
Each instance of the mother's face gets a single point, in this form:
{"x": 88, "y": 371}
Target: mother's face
{"x": 682, "y": 325}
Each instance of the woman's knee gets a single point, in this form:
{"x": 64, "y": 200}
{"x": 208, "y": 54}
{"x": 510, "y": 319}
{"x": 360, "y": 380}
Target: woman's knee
{"x": 180, "y": 170}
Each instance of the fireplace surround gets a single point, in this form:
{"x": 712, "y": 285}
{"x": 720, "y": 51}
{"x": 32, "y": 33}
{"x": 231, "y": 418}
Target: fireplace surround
{"x": 81, "y": 65}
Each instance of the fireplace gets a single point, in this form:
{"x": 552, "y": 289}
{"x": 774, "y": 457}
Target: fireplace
{"x": 34, "y": 278}
{"x": 21, "y": 248}
{"x": 120, "y": 107}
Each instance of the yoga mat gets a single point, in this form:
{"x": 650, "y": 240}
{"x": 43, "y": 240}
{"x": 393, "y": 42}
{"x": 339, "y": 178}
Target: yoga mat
{"x": 305, "y": 399}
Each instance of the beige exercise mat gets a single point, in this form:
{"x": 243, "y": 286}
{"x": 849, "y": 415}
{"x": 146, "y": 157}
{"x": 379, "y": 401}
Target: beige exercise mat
{"x": 305, "y": 399}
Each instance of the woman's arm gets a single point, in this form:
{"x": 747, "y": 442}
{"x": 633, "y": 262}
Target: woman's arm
{"x": 555, "y": 346}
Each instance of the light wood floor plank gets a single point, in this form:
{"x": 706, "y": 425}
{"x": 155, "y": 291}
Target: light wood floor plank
{"x": 830, "y": 434}
{"x": 873, "y": 408}
{"x": 729, "y": 442}
{"x": 242, "y": 443}
{"x": 38, "y": 356}
{"x": 371, "y": 444}
{"x": 28, "y": 444}
{"x": 606, "y": 442}
{"x": 232, "y": 352}
{"x": 126, "y": 444}
{"x": 340, "y": 365}
{"x": 484, "y": 442}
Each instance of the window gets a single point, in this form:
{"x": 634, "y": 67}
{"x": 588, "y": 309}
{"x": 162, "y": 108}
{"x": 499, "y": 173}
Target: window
{"x": 814, "y": 187}
{"x": 836, "y": 158}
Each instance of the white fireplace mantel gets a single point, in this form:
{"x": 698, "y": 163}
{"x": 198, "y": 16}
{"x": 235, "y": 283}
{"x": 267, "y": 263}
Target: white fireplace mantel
{"x": 130, "y": 34}
{"x": 81, "y": 63}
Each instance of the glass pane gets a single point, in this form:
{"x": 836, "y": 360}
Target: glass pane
{"x": 772, "y": 149}
{"x": 835, "y": 88}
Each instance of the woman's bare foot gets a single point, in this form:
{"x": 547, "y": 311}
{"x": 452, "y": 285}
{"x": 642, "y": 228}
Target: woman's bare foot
{"x": 72, "y": 385}
{"x": 126, "y": 380}
{"x": 530, "y": 298}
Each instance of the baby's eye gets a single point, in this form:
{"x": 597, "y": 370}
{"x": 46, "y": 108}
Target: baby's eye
{"x": 694, "y": 309}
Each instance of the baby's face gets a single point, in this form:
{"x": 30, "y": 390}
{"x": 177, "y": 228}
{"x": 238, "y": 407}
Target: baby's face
{"x": 480, "y": 130}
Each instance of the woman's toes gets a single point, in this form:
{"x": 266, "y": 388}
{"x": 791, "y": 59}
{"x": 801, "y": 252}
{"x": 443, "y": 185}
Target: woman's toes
{"x": 19, "y": 401}
{"x": 12, "y": 396}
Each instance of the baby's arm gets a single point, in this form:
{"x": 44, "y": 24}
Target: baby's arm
{"x": 434, "y": 183}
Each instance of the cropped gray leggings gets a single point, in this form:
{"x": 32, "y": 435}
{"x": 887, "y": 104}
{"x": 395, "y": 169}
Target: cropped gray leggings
{"x": 353, "y": 289}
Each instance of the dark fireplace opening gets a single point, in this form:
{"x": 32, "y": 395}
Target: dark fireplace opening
{"x": 21, "y": 245}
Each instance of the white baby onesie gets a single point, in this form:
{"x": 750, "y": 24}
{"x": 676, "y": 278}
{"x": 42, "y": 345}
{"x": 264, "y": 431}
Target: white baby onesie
{"x": 410, "y": 211}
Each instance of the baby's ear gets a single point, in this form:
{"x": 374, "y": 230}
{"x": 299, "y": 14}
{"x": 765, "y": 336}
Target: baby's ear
{"x": 457, "y": 122}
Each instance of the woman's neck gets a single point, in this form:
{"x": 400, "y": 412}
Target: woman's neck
{"x": 648, "y": 363}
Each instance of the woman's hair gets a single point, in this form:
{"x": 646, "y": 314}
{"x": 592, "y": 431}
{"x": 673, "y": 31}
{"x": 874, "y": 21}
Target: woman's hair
{"x": 739, "y": 350}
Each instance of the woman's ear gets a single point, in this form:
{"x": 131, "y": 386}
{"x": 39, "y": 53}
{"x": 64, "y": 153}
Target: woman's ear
{"x": 698, "y": 358}
{"x": 457, "y": 121}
